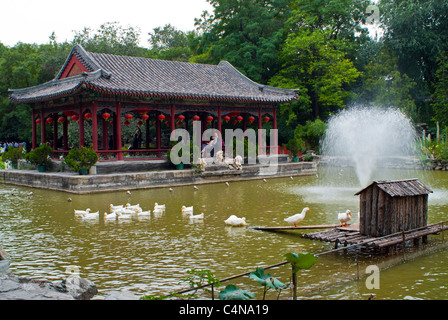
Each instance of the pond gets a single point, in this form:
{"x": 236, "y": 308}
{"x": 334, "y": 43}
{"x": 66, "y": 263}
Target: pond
{"x": 152, "y": 255}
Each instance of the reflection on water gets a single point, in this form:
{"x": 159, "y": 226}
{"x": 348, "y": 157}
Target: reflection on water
{"x": 152, "y": 254}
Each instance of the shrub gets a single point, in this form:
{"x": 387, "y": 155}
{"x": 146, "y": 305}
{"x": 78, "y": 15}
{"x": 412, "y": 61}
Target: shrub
{"x": 13, "y": 155}
{"x": 40, "y": 156}
{"x": 81, "y": 159}
{"x": 295, "y": 145}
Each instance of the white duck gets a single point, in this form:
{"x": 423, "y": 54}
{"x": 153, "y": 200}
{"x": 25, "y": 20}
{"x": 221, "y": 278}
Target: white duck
{"x": 114, "y": 208}
{"x": 234, "y": 221}
{"x": 197, "y": 217}
{"x": 111, "y": 216}
{"x": 295, "y": 219}
{"x": 159, "y": 207}
{"x": 144, "y": 213}
{"x": 187, "y": 210}
{"x": 344, "y": 217}
{"x": 131, "y": 207}
{"x": 79, "y": 213}
{"x": 91, "y": 216}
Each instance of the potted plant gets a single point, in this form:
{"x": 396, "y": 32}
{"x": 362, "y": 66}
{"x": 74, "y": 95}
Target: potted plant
{"x": 294, "y": 146}
{"x": 81, "y": 160}
{"x": 179, "y": 166}
{"x": 13, "y": 155}
{"x": 40, "y": 157}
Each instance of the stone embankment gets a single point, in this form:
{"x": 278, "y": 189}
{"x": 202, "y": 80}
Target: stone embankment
{"x": 13, "y": 287}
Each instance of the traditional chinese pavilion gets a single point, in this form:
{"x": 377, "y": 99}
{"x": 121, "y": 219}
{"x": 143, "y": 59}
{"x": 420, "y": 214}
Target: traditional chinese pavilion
{"x": 104, "y": 92}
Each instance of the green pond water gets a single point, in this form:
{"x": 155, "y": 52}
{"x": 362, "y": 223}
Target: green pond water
{"x": 152, "y": 255}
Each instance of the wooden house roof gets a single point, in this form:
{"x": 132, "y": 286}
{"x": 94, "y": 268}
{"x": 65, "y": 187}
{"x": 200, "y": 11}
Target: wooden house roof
{"x": 150, "y": 77}
{"x": 400, "y": 188}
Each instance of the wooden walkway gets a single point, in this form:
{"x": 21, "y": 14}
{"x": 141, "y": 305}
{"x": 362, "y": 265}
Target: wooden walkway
{"x": 283, "y": 228}
{"x": 350, "y": 236}
{"x": 347, "y": 237}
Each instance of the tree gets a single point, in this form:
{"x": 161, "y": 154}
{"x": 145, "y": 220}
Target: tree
{"x": 315, "y": 64}
{"x": 317, "y": 56}
{"x": 384, "y": 85}
{"x": 440, "y": 95}
{"x": 417, "y": 31}
{"x": 169, "y": 43}
{"x": 246, "y": 33}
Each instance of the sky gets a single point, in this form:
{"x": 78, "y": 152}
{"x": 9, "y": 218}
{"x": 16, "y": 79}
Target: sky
{"x": 33, "y": 21}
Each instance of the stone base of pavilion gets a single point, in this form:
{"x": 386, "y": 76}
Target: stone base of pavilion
{"x": 115, "y": 179}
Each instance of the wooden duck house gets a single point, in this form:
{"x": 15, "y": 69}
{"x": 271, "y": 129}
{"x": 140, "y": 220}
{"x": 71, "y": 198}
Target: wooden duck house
{"x": 387, "y": 207}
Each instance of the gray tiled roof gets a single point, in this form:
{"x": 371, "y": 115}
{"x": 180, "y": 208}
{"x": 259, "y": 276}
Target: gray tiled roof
{"x": 141, "y": 76}
{"x": 401, "y": 188}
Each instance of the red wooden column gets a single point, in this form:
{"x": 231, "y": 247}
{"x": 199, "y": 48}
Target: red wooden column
{"x": 33, "y": 129}
{"x": 55, "y": 131}
{"x": 219, "y": 120}
{"x": 81, "y": 126}
{"x": 95, "y": 126}
{"x": 65, "y": 133}
{"x": 118, "y": 131}
{"x": 173, "y": 116}
{"x": 158, "y": 134}
{"x": 274, "y": 112}
{"x": 260, "y": 126}
{"x": 43, "y": 132}
{"x": 105, "y": 134}
{"x": 147, "y": 137}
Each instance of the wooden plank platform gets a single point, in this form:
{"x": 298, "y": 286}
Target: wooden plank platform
{"x": 281, "y": 228}
{"x": 348, "y": 237}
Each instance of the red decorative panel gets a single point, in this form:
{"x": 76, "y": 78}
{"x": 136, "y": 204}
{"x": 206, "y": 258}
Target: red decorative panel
{"x": 74, "y": 67}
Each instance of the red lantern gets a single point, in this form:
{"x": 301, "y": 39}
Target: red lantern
{"x": 196, "y": 118}
{"x": 87, "y": 115}
{"x": 226, "y": 118}
{"x": 61, "y": 119}
{"x": 126, "y": 123}
{"x": 75, "y": 117}
{"x": 239, "y": 118}
{"x": 106, "y": 116}
{"x": 167, "y": 123}
{"x": 179, "y": 123}
{"x": 266, "y": 119}
{"x": 49, "y": 120}
{"x": 38, "y": 121}
{"x": 142, "y": 112}
{"x": 209, "y": 119}
{"x": 235, "y": 121}
{"x": 251, "y": 119}
{"x": 128, "y": 116}
{"x": 161, "y": 117}
{"x": 145, "y": 117}
{"x": 139, "y": 123}
{"x": 181, "y": 118}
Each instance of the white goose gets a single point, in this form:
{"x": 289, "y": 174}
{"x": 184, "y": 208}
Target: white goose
{"x": 295, "y": 219}
{"x": 344, "y": 217}
{"x": 187, "y": 210}
{"x": 197, "y": 217}
{"x": 91, "y": 216}
{"x": 159, "y": 207}
{"x": 111, "y": 216}
{"x": 114, "y": 208}
{"x": 234, "y": 221}
{"x": 79, "y": 213}
{"x": 131, "y": 207}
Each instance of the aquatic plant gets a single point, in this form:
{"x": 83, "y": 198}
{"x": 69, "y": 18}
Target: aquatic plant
{"x": 267, "y": 281}
{"x": 298, "y": 262}
{"x": 231, "y": 292}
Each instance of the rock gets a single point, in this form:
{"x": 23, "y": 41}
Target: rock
{"x": 79, "y": 288}
{"x": 13, "y": 287}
